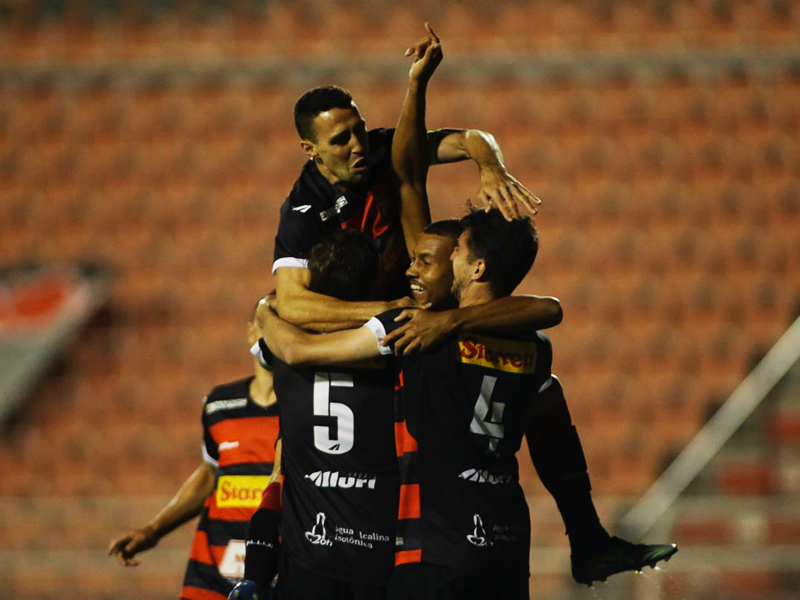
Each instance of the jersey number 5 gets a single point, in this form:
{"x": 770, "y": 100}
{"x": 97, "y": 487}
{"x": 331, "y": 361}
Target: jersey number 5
{"x": 487, "y": 417}
{"x": 342, "y": 440}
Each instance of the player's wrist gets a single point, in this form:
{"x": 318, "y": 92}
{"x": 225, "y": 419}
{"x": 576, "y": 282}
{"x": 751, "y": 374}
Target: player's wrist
{"x": 453, "y": 320}
{"x": 151, "y": 532}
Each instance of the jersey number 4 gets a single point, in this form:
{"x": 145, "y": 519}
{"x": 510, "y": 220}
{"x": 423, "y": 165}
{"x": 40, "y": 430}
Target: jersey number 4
{"x": 487, "y": 418}
{"x": 342, "y": 440}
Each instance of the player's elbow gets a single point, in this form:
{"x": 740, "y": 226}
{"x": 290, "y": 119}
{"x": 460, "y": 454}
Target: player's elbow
{"x": 553, "y": 313}
{"x": 294, "y": 355}
{"x": 291, "y": 310}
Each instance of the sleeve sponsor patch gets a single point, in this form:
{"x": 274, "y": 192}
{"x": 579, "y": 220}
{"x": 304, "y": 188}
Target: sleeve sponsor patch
{"x": 510, "y": 356}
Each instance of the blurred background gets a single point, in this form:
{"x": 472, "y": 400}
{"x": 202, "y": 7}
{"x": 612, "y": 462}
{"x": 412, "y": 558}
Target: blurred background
{"x": 145, "y": 148}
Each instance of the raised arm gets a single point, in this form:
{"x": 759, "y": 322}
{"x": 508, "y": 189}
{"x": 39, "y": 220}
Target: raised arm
{"x": 297, "y": 348}
{"x": 410, "y": 144}
{"x": 425, "y": 329}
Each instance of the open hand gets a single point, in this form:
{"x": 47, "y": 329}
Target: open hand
{"x": 423, "y": 330}
{"x": 501, "y": 190}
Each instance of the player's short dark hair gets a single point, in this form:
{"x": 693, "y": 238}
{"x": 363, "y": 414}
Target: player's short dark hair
{"x": 315, "y": 101}
{"x": 344, "y": 265}
{"x": 508, "y": 247}
{"x": 449, "y": 228}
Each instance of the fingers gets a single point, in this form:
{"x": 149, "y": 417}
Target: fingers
{"x": 418, "y": 50}
{"x": 413, "y": 348}
{"x": 522, "y": 194}
{"x": 509, "y": 202}
{"x": 400, "y": 344}
{"x": 497, "y": 202}
{"x": 389, "y": 338}
{"x": 405, "y": 315}
{"x": 431, "y": 33}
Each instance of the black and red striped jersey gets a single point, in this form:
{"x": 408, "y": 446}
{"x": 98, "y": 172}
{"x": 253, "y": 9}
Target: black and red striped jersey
{"x": 316, "y": 207}
{"x": 239, "y": 441}
{"x": 340, "y": 484}
{"x": 461, "y": 414}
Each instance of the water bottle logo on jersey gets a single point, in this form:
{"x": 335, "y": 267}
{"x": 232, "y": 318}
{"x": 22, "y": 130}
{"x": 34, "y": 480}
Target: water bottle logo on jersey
{"x": 318, "y": 535}
{"x": 478, "y": 536}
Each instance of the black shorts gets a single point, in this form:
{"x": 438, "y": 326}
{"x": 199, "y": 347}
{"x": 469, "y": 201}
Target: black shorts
{"x": 417, "y": 581}
{"x": 297, "y": 583}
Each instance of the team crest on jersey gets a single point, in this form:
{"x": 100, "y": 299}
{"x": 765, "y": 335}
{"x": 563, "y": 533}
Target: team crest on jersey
{"x": 240, "y": 491}
{"x": 504, "y": 355}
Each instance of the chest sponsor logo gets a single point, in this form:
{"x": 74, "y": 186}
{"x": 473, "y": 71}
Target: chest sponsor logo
{"x": 228, "y": 446}
{"x": 240, "y": 491}
{"x": 232, "y": 563}
{"x": 504, "y": 355}
{"x": 334, "y": 479}
{"x": 341, "y": 202}
{"x": 484, "y": 476}
{"x": 219, "y": 405}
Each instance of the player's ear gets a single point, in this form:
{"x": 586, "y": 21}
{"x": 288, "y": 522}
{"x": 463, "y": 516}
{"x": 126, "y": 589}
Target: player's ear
{"x": 309, "y": 148}
{"x": 479, "y": 270}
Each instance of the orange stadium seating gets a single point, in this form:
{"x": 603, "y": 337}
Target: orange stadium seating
{"x": 159, "y": 143}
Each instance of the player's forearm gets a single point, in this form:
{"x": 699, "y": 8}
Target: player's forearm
{"x": 453, "y": 145}
{"x": 319, "y": 313}
{"x": 186, "y": 504}
{"x": 514, "y": 312}
{"x": 410, "y": 161}
{"x": 410, "y": 143}
{"x": 275, "y": 476}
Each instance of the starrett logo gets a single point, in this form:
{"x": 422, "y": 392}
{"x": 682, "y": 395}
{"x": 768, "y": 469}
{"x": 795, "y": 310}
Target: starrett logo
{"x": 504, "y": 355}
{"x": 240, "y": 491}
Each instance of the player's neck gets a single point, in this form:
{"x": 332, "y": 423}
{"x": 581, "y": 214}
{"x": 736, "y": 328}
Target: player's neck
{"x": 333, "y": 179}
{"x": 261, "y": 390}
{"x": 475, "y": 293}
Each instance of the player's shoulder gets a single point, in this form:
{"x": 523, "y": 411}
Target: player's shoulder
{"x": 380, "y": 145}
{"x": 380, "y": 135}
{"x": 309, "y": 192}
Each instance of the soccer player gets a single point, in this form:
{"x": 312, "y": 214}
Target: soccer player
{"x": 595, "y": 554}
{"x": 240, "y": 426}
{"x": 341, "y": 484}
{"x": 349, "y": 183}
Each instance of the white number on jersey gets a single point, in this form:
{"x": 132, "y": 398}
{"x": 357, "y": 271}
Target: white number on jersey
{"x": 342, "y": 440}
{"x": 488, "y": 416}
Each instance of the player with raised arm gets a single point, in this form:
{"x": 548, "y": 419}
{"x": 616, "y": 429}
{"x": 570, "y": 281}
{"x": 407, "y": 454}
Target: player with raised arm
{"x": 349, "y": 183}
{"x": 240, "y": 426}
{"x": 601, "y": 554}
{"x": 352, "y": 462}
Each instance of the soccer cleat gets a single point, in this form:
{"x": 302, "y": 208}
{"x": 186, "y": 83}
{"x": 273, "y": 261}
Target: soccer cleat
{"x": 616, "y": 556}
{"x": 245, "y": 590}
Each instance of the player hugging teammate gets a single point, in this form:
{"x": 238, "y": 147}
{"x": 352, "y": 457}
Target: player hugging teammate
{"x": 449, "y": 390}
{"x": 396, "y": 473}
